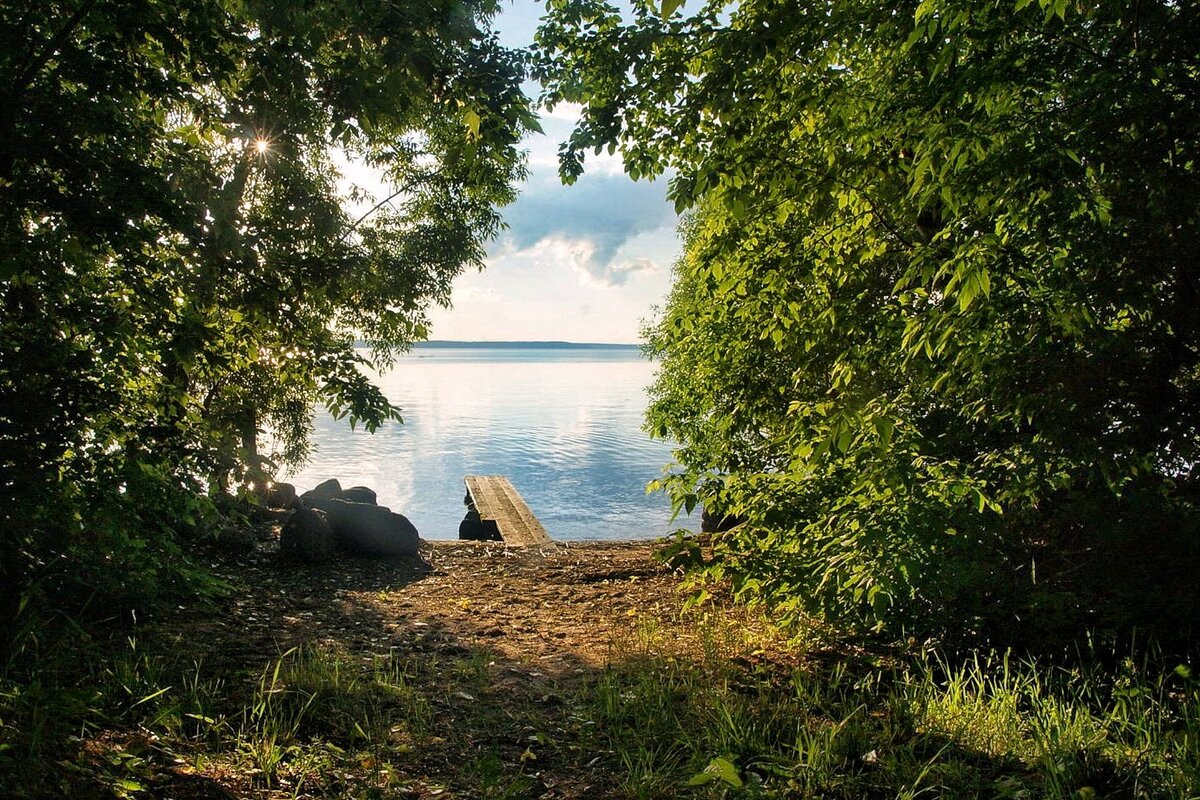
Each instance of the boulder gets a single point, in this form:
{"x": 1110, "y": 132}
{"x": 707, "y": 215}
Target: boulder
{"x": 237, "y": 539}
{"x": 359, "y": 494}
{"x": 328, "y": 490}
{"x": 472, "y": 528}
{"x": 371, "y": 530}
{"x": 281, "y": 495}
{"x": 266, "y": 517}
{"x": 307, "y": 536}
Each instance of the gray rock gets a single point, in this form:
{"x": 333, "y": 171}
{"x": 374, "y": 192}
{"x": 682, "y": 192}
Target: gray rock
{"x": 307, "y": 536}
{"x": 237, "y": 539}
{"x": 281, "y": 495}
{"x": 371, "y": 530}
{"x": 273, "y": 516}
{"x": 328, "y": 490}
{"x": 359, "y": 494}
{"x": 474, "y": 529}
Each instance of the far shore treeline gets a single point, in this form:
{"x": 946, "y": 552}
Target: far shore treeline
{"x": 437, "y": 344}
{"x": 932, "y": 348}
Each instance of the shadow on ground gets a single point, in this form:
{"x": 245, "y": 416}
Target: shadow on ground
{"x": 493, "y": 642}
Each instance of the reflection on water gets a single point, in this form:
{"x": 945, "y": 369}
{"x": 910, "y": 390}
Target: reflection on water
{"x": 563, "y": 425}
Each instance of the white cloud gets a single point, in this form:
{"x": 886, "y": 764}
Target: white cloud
{"x": 586, "y": 262}
{"x": 559, "y": 250}
{"x": 608, "y": 213}
{"x": 567, "y": 112}
{"x": 476, "y": 294}
{"x": 615, "y": 273}
{"x": 553, "y": 290}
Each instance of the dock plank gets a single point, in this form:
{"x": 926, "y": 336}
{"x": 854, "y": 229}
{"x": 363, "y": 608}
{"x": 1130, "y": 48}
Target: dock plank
{"x": 496, "y": 499}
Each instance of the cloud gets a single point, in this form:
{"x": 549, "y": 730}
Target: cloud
{"x": 601, "y": 217}
{"x": 618, "y": 273}
{"x": 579, "y": 255}
{"x": 568, "y": 112}
{"x": 558, "y": 251}
{"x": 543, "y": 148}
{"x": 470, "y": 294}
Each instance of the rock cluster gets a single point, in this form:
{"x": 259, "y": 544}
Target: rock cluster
{"x": 328, "y": 518}
{"x": 474, "y": 528}
{"x": 307, "y": 536}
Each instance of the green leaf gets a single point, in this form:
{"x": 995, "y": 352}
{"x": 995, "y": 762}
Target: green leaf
{"x": 721, "y": 769}
{"x": 967, "y": 292}
{"x": 471, "y": 120}
{"x": 669, "y": 7}
{"x": 152, "y": 696}
{"x": 883, "y": 428}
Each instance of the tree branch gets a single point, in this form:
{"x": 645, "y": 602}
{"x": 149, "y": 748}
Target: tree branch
{"x": 25, "y": 78}
{"x": 380, "y": 205}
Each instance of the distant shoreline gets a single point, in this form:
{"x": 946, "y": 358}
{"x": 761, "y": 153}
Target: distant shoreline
{"x": 436, "y": 344}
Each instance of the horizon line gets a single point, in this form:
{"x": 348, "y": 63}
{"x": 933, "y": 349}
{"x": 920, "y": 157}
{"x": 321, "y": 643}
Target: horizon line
{"x": 544, "y": 342}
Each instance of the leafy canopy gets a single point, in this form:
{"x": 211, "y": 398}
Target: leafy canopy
{"x": 934, "y": 333}
{"x": 178, "y": 265}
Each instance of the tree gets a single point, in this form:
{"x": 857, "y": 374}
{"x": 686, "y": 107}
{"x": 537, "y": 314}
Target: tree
{"x": 180, "y": 268}
{"x": 934, "y": 331}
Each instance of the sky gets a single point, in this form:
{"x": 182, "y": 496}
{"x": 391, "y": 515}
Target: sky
{"x": 582, "y": 263}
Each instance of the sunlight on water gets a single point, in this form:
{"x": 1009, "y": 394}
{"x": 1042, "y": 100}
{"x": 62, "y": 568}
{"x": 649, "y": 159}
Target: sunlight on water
{"x": 563, "y": 425}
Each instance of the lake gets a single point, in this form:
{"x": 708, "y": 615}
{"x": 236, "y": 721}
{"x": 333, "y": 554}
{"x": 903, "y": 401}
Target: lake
{"x": 563, "y": 423}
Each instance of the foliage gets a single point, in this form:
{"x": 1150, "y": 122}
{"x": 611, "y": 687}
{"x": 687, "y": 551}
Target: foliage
{"x": 179, "y": 267}
{"x": 712, "y": 705}
{"x": 934, "y": 334}
{"x": 845, "y": 727}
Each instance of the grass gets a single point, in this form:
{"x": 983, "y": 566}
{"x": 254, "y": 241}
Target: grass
{"x": 703, "y": 707}
{"x": 983, "y": 727}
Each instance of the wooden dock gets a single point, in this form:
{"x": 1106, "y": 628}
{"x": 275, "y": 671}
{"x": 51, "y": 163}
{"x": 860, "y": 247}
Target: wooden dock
{"x": 495, "y": 499}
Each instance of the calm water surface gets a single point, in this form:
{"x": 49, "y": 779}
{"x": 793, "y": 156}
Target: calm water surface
{"x": 563, "y": 424}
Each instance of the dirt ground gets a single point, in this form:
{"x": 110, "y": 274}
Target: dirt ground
{"x": 561, "y": 604}
{"x": 505, "y": 641}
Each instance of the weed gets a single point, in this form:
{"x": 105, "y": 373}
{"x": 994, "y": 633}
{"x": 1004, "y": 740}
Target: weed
{"x": 703, "y": 706}
{"x": 924, "y": 727}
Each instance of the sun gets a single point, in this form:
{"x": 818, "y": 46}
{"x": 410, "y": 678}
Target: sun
{"x": 261, "y": 146}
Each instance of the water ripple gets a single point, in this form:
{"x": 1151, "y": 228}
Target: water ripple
{"x": 566, "y": 431}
